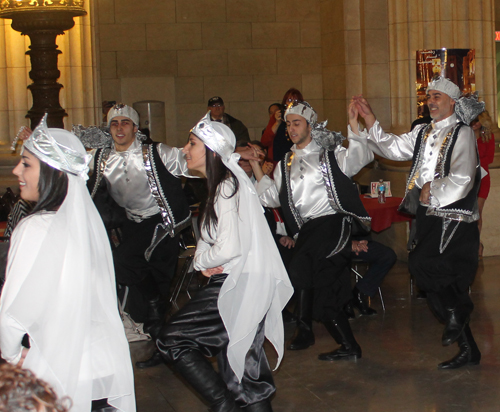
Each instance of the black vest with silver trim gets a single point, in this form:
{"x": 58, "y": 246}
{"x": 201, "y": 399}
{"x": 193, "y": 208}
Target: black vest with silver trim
{"x": 464, "y": 209}
{"x": 342, "y": 192}
{"x": 165, "y": 188}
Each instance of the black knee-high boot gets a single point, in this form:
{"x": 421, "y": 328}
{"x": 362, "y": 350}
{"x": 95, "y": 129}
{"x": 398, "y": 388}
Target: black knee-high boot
{"x": 304, "y": 336}
{"x": 341, "y": 331}
{"x": 458, "y": 309}
{"x": 199, "y": 373}
{"x": 468, "y": 354}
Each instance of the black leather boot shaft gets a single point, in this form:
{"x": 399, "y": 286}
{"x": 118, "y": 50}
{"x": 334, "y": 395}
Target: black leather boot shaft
{"x": 304, "y": 336}
{"x": 341, "y": 331}
{"x": 200, "y": 374}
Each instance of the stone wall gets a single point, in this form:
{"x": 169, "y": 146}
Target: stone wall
{"x": 249, "y": 52}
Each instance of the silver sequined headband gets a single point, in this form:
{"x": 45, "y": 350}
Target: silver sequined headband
{"x": 43, "y": 145}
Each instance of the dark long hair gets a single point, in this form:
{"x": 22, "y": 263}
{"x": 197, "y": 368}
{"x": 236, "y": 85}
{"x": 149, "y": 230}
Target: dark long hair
{"x": 216, "y": 173}
{"x": 52, "y": 188}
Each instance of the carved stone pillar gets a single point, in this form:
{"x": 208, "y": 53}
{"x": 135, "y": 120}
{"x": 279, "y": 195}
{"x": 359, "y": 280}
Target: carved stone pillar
{"x": 43, "y": 21}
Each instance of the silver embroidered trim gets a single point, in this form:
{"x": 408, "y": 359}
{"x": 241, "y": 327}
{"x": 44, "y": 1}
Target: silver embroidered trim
{"x": 101, "y": 166}
{"x": 443, "y": 153}
{"x": 156, "y": 190}
{"x": 446, "y": 239}
{"x": 345, "y": 235}
{"x": 331, "y": 190}
{"x": 295, "y": 213}
{"x": 459, "y": 215}
{"x": 13, "y": 146}
{"x": 418, "y": 161}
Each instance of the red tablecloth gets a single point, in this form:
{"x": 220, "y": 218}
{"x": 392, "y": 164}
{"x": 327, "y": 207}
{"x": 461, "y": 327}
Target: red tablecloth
{"x": 384, "y": 214}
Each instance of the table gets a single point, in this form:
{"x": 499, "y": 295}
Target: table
{"x": 384, "y": 214}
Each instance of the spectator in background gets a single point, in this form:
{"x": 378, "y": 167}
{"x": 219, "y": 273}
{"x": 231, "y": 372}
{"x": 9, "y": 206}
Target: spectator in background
{"x": 486, "y": 148}
{"x": 381, "y": 259}
{"x": 218, "y": 114}
{"x": 271, "y": 110}
{"x": 275, "y": 138}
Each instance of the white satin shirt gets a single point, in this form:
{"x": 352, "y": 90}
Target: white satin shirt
{"x": 306, "y": 180}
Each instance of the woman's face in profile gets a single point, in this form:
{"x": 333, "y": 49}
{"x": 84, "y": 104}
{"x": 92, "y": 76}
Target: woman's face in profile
{"x": 194, "y": 152}
{"x": 28, "y": 174}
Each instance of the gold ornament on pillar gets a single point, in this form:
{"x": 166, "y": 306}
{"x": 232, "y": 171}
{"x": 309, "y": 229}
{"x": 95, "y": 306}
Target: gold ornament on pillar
{"x": 43, "y": 21}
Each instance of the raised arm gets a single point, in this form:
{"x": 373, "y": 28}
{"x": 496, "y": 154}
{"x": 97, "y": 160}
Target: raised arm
{"x": 388, "y": 145}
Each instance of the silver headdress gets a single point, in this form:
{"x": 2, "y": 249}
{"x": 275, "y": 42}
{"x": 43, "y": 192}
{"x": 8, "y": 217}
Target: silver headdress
{"x": 467, "y": 108}
{"x": 96, "y": 137}
{"x": 303, "y": 109}
{"x": 446, "y": 86}
{"x": 217, "y": 136}
{"x": 327, "y": 139}
{"x": 121, "y": 109}
{"x": 55, "y": 153}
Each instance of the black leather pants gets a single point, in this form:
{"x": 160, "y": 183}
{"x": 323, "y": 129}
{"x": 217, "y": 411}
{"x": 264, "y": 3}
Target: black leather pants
{"x": 199, "y": 327}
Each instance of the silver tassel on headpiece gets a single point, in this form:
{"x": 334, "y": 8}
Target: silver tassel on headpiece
{"x": 468, "y": 108}
{"x": 93, "y": 137}
{"x": 326, "y": 138}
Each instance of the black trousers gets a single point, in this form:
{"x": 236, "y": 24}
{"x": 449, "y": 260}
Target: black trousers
{"x": 131, "y": 267}
{"x": 444, "y": 275}
{"x": 455, "y": 266}
{"x": 198, "y": 326}
{"x": 381, "y": 259}
{"x": 311, "y": 269}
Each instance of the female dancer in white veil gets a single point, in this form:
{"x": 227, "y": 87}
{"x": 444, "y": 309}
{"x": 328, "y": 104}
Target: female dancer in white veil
{"x": 60, "y": 287}
{"x": 248, "y": 285}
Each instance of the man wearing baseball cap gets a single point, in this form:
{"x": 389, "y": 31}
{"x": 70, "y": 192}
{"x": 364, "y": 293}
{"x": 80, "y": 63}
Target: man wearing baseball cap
{"x": 320, "y": 204}
{"x": 442, "y": 193}
{"x": 218, "y": 114}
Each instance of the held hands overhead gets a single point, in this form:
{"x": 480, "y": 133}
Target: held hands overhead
{"x": 360, "y": 106}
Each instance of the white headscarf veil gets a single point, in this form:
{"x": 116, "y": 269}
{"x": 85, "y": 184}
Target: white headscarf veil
{"x": 63, "y": 294}
{"x": 258, "y": 285}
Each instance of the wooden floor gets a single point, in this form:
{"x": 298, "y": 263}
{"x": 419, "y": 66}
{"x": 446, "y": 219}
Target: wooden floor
{"x": 398, "y": 371}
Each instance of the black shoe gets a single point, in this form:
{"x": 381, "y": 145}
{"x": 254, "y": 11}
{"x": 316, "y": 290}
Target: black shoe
{"x": 342, "y": 353}
{"x": 349, "y": 310}
{"x": 154, "y": 360}
{"x": 360, "y": 302}
{"x": 469, "y": 353}
{"x": 341, "y": 331}
{"x": 304, "y": 337}
{"x": 457, "y": 320}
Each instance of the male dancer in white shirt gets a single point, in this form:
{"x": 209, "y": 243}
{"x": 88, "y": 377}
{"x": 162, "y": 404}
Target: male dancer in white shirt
{"x": 320, "y": 202}
{"x": 442, "y": 193}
